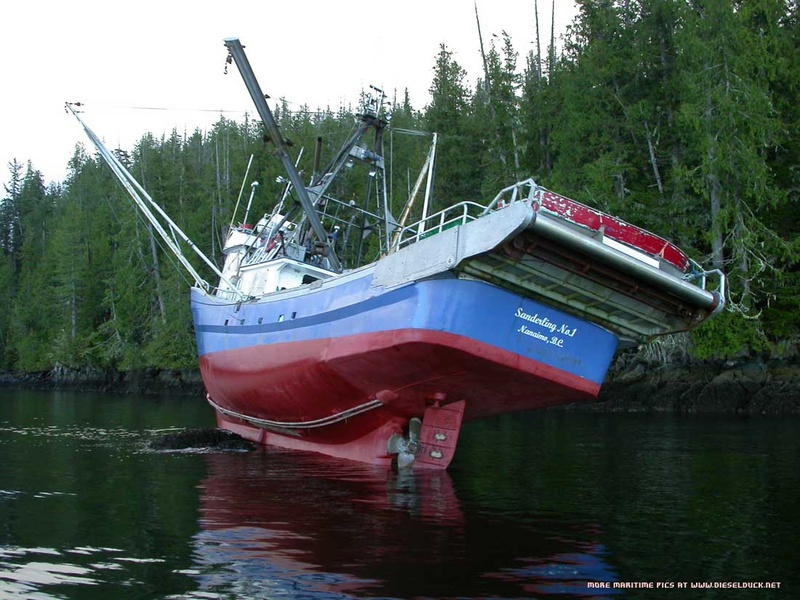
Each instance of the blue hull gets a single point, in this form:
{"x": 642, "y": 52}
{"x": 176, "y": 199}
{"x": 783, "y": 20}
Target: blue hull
{"x": 477, "y": 311}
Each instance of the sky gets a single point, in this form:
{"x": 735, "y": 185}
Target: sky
{"x": 158, "y": 65}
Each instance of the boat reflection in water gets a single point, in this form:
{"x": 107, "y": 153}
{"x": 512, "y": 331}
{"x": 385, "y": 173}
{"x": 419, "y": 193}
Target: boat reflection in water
{"x": 283, "y": 523}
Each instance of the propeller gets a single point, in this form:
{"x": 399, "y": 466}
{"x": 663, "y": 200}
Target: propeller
{"x": 405, "y": 447}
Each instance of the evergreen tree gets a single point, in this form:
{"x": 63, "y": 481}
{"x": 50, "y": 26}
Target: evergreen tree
{"x": 591, "y": 141}
{"x": 458, "y": 177}
{"x": 781, "y": 285}
{"x": 729, "y": 123}
{"x": 30, "y": 329}
{"x": 10, "y": 238}
{"x": 499, "y": 107}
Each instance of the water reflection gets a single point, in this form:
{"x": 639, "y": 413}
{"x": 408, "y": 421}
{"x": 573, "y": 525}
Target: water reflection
{"x": 32, "y": 573}
{"x": 26, "y": 572}
{"x": 84, "y": 511}
{"x": 277, "y": 523}
{"x": 533, "y": 506}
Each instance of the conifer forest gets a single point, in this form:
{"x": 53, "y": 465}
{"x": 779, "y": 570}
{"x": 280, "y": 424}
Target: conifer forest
{"x": 681, "y": 116}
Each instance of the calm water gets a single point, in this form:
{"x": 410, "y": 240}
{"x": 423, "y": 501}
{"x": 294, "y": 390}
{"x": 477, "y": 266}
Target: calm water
{"x": 533, "y": 506}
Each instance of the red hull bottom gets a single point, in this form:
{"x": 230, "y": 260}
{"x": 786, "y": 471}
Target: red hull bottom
{"x": 436, "y": 444}
{"x": 408, "y": 371}
{"x": 370, "y": 448}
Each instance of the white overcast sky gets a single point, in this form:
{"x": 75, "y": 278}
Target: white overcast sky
{"x": 169, "y": 54}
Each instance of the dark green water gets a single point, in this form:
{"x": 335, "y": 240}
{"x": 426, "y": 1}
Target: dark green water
{"x": 534, "y": 506}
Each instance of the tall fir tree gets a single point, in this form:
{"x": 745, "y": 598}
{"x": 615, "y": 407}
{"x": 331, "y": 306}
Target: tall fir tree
{"x": 457, "y": 176}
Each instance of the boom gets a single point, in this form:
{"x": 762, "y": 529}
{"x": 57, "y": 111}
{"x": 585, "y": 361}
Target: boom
{"x": 147, "y": 205}
{"x": 237, "y": 53}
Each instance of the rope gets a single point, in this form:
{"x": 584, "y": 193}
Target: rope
{"x": 325, "y": 421}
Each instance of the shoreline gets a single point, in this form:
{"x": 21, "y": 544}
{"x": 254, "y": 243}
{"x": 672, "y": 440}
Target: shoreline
{"x": 151, "y": 381}
{"x": 749, "y": 386}
{"x": 746, "y": 386}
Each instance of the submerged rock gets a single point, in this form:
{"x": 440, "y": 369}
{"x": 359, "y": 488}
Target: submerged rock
{"x": 212, "y": 439}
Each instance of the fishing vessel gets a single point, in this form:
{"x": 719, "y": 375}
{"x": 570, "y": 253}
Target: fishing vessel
{"x": 340, "y": 328}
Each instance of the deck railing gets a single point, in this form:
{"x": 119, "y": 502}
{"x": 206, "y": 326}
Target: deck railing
{"x": 464, "y": 212}
{"x": 452, "y": 216}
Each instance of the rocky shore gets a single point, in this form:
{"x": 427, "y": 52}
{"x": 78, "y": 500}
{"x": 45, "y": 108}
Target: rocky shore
{"x": 146, "y": 381}
{"x": 745, "y": 386}
{"x": 633, "y": 384}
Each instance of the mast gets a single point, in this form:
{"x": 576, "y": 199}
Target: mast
{"x": 236, "y": 51}
{"x": 369, "y": 117}
{"x": 428, "y": 184}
